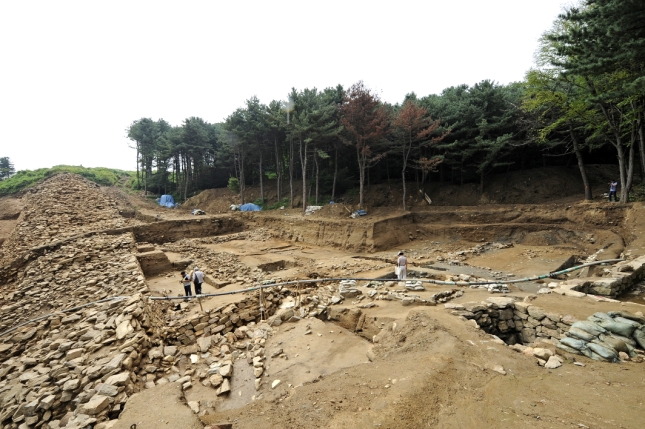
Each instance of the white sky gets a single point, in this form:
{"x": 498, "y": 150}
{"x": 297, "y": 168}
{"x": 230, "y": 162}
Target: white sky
{"x": 75, "y": 74}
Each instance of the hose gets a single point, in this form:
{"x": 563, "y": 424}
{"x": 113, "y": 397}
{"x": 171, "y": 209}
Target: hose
{"x": 438, "y": 282}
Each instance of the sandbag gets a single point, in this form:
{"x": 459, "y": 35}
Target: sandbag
{"x": 573, "y": 343}
{"x": 627, "y": 322}
{"x": 625, "y": 340}
{"x": 600, "y": 315}
{"x": 627, "y": 315}
{"x": 639, "y": 336}
{"x": 618, "y": 328}
{"x": 631, "y": 351}
{"x": 568, "y": 349}
{"x": 586, "y": 352}
{"x": 593, "y": 319}
{"x": 579, "y": 333}
{"x": 589, "y": 327}
{"x": 614, "y": 343}
{"x": 604, "y": 352}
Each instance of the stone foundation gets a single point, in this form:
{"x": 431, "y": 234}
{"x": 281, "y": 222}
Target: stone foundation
{"x": 514, "y": 322}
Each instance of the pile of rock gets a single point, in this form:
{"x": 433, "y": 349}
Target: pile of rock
{"x": 545, "y": 356}
{"x": 210, "y": 361}
{"x": 74, "y": 369}
{"x": 218, "y": 264}
{"x": 414, "y": 285}
{"x": 514, "y": 322}
{"x": 224, "y": 319}
{"x": 613, "y": 336}
{"x": 84, "y": 270}
{"x": 62, "y": 206}
{"x": 619, "y": 278}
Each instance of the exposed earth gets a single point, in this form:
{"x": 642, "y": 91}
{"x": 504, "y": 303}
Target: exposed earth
{"x": 320, "y": 354}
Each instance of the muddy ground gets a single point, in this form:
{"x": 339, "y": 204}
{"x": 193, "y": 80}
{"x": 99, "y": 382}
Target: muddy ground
{"x": 427, "y": 368}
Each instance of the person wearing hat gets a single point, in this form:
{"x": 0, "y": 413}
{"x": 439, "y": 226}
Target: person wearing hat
{"x": 198, "y": 279}
{"x": 402, "y": 265}
{"x": 185, "y": 280}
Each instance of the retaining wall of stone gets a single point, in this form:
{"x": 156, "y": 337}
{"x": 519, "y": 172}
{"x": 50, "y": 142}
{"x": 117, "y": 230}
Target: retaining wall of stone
{"x": 514, "y": 322}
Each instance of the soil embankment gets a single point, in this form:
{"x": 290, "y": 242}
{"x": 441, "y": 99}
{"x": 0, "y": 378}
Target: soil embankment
{"x": 370, "y": 354}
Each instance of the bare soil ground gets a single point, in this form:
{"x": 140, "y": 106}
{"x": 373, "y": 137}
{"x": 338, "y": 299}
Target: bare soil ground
{"x": 427, "y": 368}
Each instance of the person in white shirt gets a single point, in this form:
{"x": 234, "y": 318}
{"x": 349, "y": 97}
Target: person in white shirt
{"x": 402, "y": 263}
{"x": 185, "y": 280}
{"x": 198, "y": 279}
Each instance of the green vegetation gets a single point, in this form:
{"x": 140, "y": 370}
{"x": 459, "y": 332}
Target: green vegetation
{"x": 234, "y": 185}
{"x": 584, "y": 100}
{"x": 6, "y": 168}
{"x": 26, "y": 178}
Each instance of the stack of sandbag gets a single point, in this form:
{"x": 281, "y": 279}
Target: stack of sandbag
{"x": 604, "y": 336}
{"x": 414, "y": 285}
{"x": 347, "y": 289}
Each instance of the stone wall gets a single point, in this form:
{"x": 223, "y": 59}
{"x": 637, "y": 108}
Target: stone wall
{"x": 514, "y": 322}
{"x": 621, "y": 277}
{"x": 224, "y": 319}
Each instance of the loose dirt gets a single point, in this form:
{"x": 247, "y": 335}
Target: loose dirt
{"x": 411, "y": 366}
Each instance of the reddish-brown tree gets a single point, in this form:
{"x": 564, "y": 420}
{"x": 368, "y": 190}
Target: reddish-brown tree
{"x": 414, "y": 127}
{"x": 364, "y": 119}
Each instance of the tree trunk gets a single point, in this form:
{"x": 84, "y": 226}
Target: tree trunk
{"x": 333, "y": 186}
{"x": 641, "y": 146}
{"x": 404, "y": 190}
{"x": 630, "y": 169}
{"x": 622, "y": 168}
{"x": 186, "y": 181}
{"x": 138, "y": 181}
{"x": 316, "y": 164}
{"x": 261, "y": 180}
{"x": 362, "y": 164}
{"x": 278, "y": 170}
{"x": 387, "y": 171}
{"x": 303, "y": 164}
{"x": 481, "y": 183}
{"x": 581, "y": 164}
{"x": 291, "y": 169}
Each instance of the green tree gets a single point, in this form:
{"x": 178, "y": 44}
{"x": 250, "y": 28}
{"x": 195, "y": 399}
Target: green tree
{"x": 413, "y": 127}
{"x": 603, "y": 43}
{"x": 364, "y": 120}
{"x": 6, "y": 168}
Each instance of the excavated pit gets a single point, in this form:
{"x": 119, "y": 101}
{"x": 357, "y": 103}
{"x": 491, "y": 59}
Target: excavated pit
{"x": 127, "y": 346}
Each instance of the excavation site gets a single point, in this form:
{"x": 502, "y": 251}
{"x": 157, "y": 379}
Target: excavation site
{"x": 512, "y": 315}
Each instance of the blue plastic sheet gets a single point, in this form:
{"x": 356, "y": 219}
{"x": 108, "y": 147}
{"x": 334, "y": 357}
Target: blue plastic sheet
{"x": 167, "y": 201}
{"x": 250, "y": 208}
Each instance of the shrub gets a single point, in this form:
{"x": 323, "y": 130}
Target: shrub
{"x": 26, "y": 178}
{"x": 234, "y": 185}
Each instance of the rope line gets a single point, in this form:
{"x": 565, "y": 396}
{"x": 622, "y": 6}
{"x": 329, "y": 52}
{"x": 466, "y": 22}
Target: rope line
{"x": 438, "y": 282}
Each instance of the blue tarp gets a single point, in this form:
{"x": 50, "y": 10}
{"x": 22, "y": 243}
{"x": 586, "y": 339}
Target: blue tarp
{"x": 167, "y": 201}
{"x": 250, "y": 208}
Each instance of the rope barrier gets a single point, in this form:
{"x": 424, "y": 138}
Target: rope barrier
{"x": 299, "y": 282}
{"x": 438, "y": 282}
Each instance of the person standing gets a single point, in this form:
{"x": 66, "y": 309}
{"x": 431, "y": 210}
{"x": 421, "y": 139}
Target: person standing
{"x": 185, "y": 280}
{"x": 612, "y": 189}
{"x": 402, "y": 264}
{"x": 198, "y": 279}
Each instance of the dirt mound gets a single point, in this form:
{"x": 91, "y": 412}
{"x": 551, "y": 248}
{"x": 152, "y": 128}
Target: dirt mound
{"x": 62, "y": 206}
{"x": 535, "y": 186}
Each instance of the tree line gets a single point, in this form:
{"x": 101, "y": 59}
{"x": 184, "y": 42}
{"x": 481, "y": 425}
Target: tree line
{"x": 584, "y": 96}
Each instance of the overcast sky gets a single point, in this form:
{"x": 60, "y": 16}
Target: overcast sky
{"x": 75, "y": 74}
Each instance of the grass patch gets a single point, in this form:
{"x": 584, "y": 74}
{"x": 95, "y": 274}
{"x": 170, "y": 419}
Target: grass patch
{"x": 25, "y": 178}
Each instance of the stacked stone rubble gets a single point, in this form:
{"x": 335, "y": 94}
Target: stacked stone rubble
{"x": 75, "y": 369}
{"x": 514, "y": 322}
{"x": 63, "y": 206}
{"x": 84, "y": 270}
